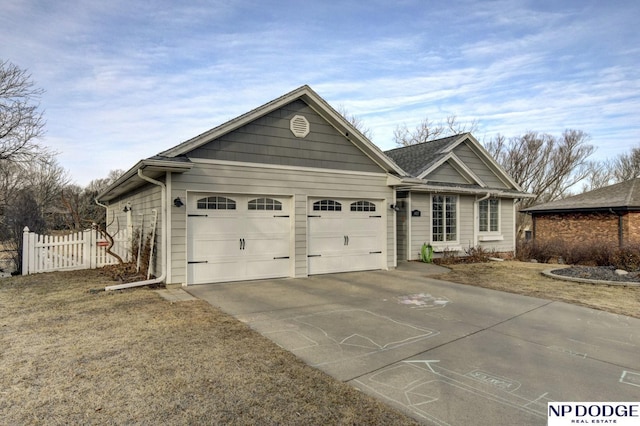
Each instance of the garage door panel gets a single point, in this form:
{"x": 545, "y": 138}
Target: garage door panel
{"x": 202, "y": 273}
{"x": 265, "y": 268}
{"x": 364, "y": 261}
{"x": 345, "y": 240}
{"x": 364, "y": 243}
{"x": 252, "y": 240}
{"x": 265, "y": 224}
{"x": 326, "y": 263}
{"x": 215, "y": 248}
{"x": 273, "y": 245}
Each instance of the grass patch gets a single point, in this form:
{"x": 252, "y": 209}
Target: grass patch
{"x": 526, "y": 278}
{"x": 72, "y": 356}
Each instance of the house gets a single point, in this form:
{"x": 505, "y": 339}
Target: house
{"x": 463, "y": 198}
{"x": 292, "y": 189}
{"x": 605, "y": 216}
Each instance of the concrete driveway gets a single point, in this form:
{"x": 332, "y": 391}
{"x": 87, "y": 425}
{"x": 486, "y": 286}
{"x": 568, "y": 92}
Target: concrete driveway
{"x": 444, "y": 353}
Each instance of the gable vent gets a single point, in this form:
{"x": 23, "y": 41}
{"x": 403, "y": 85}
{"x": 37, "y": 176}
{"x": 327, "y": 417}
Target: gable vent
{"x": 299, "y": 126}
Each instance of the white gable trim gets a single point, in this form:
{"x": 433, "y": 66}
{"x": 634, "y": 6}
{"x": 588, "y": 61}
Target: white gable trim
{"x": 458, "y": 165}
{"x": 487, "y": 159}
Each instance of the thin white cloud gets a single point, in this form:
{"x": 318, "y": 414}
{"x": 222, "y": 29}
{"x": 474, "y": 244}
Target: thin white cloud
{"x": 126, "y": 80}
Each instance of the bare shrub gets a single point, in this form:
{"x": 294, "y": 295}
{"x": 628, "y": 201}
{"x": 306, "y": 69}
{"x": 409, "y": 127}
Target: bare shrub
{"x": 588, "y": 254}
{"x": 448, "y": 257}
{"x": 478, "y": 254}
{"x": 627, "y": 258}
{"x": 540, "y": 252}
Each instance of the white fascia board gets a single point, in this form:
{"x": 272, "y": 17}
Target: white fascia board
{"x": 426, "y": 187}
{"x": 281, "y": 167}
{"x": 148, "y": 164}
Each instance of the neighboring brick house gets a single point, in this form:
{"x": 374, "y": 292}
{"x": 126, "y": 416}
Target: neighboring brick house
{"x": 609, "y": 216}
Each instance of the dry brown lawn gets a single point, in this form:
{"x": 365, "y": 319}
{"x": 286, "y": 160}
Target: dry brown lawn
{"x": 72, "y": 356}
{"x": 69, "y": 355}
{"x": 526, "y": 278}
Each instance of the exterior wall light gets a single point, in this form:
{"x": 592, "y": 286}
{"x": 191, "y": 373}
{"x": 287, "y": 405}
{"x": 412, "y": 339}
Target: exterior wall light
{"x": 178, "y": 202}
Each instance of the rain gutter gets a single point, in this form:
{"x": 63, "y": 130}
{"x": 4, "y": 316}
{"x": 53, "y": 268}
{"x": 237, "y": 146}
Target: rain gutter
{"x": 163, "y": 276}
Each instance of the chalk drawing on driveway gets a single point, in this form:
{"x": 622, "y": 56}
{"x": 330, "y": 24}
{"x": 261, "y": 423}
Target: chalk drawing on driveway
{"x": 365, "y": 329}
{"x": 630, "y": 378}
{"x": 423, "y": 301}
{"x": 568, "y": 351}
{"x": 424, "y": 387}
{"x": 505, "y": 384}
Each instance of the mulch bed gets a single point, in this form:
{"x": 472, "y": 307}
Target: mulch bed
{"x": 602, "y": 273}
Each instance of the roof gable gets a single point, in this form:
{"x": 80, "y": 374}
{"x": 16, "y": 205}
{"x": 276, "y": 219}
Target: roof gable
{"x": 315, "y": 103}
{"x": 624, "y": 195}
{"x": 269, "y": 139}
{"x": 463, "y": 151}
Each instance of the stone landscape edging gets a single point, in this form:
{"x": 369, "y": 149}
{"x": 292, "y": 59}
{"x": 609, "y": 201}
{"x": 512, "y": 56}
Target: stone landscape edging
{"x": 549, "y": 273}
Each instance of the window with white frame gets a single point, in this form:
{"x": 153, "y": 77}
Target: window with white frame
{"x": 444, "y": 218}
{"x": 489, "y": 215}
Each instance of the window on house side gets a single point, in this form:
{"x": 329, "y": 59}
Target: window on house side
{"x": 488, "y": 215}
{"x": 445, "y": 218}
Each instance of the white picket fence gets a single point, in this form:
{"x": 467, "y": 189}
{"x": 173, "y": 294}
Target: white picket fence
{"x": 81, "y": 250}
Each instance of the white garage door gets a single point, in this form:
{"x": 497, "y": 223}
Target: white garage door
{"x": 237, "y": 237}
{"x": 345, "y": 235}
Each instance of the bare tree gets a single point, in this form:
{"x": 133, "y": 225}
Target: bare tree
{"x": 80, "y": 205}
{"x": 355, "y": 121}
{"x": 427, "y": 130}
{"x": 626, "y": 166}
{"x": 547, "y": 166}
{"x": 22, "y": 211}
{"x": 21, "y": 122}
{"x": 600, "y": 174}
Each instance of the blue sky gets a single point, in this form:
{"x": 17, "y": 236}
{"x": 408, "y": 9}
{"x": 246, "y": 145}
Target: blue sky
{"x": 125, "y": 80}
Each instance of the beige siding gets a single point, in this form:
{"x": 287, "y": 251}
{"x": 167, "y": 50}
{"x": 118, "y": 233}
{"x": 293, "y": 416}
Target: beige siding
{"x": 446, "y": 173}
{"x": 420, "y": 226}
{"x": 297, "y": 183}
{"x": 507, "y": 229}
{"x": 479, "y": 167}
{"x": 142, "y": 201}
{"x": 467, "y": 225}
{"x": 466, "y": 222}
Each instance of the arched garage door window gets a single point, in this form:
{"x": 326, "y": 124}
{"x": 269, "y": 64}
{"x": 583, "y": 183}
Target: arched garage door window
{"x": 327, "y": 205}
{"x": 363, "y": 206}
{"x": 216, "y": 203}
{"x": 264, "y": 204}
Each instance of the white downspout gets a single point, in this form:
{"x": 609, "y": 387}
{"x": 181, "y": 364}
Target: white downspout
{"x": 476, "y": 218}
{"x": 163, "y": 276}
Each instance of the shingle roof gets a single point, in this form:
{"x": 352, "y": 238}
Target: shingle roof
{"x": 624, "y": 195}
{"x": 415, "y": 159}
